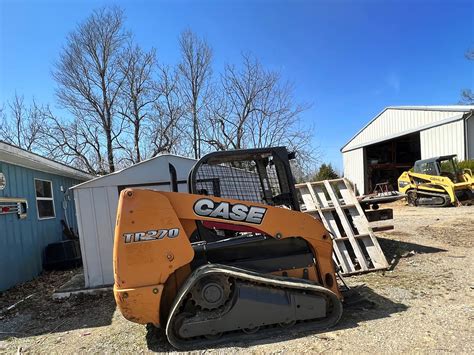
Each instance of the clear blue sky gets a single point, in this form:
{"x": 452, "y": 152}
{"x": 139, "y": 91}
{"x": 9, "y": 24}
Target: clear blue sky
{"x": 349, "y": 59}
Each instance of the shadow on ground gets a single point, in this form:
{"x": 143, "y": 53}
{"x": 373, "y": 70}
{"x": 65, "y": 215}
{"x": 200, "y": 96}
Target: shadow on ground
{"x": 363, "y": 304}
{"x": 395, "y": 250}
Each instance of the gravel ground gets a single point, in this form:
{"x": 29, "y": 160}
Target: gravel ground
{"x": 424, "y": 303}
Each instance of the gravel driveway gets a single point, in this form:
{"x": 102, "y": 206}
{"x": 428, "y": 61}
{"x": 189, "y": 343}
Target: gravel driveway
{"x": 424, "y": 303}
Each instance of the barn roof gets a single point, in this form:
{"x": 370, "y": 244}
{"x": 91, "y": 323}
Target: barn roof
{"x": 455, "y": 111}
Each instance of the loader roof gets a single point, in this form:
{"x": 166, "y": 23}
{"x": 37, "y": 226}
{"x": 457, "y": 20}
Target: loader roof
{"x": 438, "y": 158}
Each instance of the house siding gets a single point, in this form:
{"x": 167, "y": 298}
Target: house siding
{"x": 22, "y": 241}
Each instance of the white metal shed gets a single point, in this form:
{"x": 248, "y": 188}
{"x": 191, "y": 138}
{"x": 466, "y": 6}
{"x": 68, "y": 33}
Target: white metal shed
{"x": 96, "y": 206}
{"x": 398, "y": 136}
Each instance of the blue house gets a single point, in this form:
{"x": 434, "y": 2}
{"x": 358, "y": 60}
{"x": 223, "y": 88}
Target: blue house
{"x": 34, "y": 198}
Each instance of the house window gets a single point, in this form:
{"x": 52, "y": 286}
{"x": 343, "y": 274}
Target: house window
{"x": 44, "y": 199}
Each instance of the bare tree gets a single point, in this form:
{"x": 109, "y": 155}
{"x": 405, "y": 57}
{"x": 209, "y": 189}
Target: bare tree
{"x": 166, "y": 129}
{"x": 467, "y": 95}
{"x": 75, "y": 143}
{"x": 153, "y": 107}
{"x": 195, "y": 76}
{"x": 244, "y": 93}
{"x": 138, "y": 96}
{"x": 90, "y": 78}
{"x": 125, "y": 107}
{"x": 22, "y": 124}
{"x": 257, "y": 110}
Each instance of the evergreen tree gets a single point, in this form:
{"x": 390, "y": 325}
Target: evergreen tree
{"x": 325, "y": 172}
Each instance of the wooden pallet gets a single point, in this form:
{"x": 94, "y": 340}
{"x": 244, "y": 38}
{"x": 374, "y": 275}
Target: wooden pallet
{"x": 356, "y": 249}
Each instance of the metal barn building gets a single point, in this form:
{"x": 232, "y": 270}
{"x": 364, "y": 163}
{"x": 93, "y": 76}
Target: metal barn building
{"x": 398, "y": 136}
{"x": 34, "y": 198}
{"x": 96, "y": 205}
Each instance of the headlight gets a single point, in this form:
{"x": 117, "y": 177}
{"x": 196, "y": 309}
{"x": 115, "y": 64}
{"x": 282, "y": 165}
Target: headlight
{"x": 402, "y": 184}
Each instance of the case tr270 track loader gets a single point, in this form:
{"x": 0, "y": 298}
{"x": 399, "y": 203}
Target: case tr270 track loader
{"x": 234, "y": 255}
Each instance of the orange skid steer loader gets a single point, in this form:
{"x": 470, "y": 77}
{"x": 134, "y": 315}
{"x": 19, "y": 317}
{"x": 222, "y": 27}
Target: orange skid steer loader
{"x": 234, "y": 255}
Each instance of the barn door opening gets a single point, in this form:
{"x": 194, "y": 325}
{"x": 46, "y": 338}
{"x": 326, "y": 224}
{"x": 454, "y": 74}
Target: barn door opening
{"x": 387, "y": 160}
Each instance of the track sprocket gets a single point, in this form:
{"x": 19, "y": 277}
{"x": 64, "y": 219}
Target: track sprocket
{"x": 211, "y": 292}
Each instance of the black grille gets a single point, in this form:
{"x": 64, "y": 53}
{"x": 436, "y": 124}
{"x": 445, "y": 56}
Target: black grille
{"x": 260, "y": 178}
{"x": 227, "y": 181}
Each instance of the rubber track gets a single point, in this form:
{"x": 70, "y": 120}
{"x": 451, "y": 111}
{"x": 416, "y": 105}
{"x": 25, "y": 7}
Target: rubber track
{"x": 249, "y": 276}
{"x": 447, "y": 200}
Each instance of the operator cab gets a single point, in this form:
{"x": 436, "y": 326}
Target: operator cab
{"x": 261, "y": 175}
{"x": 439, "y": 166}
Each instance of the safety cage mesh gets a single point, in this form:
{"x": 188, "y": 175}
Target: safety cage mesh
{"x": 259, "y": 179}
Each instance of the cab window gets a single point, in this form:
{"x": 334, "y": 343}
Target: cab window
{"x": 428, "y": 168}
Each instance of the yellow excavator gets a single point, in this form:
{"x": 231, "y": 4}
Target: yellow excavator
{"x": 437, "y": 182}
{"x": 234, "y": 256}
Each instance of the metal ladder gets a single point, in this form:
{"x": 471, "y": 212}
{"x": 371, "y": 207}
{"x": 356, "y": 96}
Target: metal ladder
{"x": 356, "y": 249}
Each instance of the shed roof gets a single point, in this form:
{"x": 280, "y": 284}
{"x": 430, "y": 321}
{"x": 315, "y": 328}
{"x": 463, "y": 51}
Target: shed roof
{"x": 17, "y": 156}
{"x": 143, "y": 172}
{"x": 460, "y": 109}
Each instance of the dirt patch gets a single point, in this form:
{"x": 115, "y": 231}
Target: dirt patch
{"x": 42, "y": 285}
{"x": 451, "y": 234}
{"x": 423, "y": 303}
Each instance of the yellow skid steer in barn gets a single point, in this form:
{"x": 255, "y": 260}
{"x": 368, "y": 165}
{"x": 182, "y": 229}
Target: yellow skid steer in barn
{"x": 232, "y": 258}
{"x": 437, "y": 182}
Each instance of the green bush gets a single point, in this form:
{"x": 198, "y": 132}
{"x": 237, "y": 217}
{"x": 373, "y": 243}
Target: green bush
{"x": 467, "y": 164}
